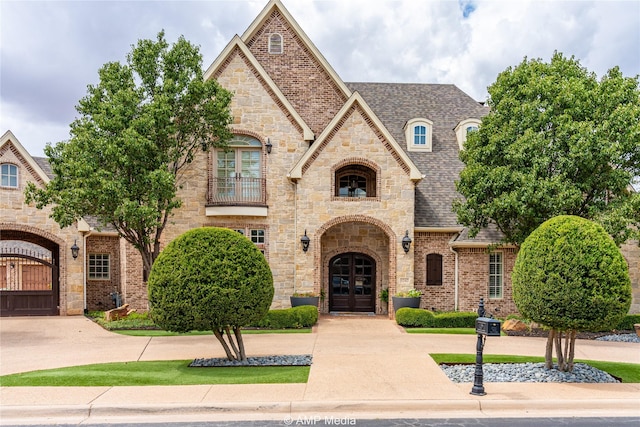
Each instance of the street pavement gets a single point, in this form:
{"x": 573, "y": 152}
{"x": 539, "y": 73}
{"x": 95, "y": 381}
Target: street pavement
{"x": 364, "y": 367}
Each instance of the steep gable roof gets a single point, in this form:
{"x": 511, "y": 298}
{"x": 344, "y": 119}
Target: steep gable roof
{"x": 355, "y": 102}
{"x": 445, "y": 105}
{"x": 236, "y": 45}
{"x": 8, "y": 141}
{"x": 278, "y": 7}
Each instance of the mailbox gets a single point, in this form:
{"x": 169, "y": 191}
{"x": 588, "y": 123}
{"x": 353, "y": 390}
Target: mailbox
{"x": 488, "y": 326}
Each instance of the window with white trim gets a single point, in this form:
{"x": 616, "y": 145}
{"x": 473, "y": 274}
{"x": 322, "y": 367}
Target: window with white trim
{"x": 418, "y": 133}
{"x": 495, "y": 275}
{"x": 464, "y": 128}
{"x": 99, "y": 267}
{"x": 275, "y": 43}
{"x": 8, "y": 175}
{"x": 257, "y": 235}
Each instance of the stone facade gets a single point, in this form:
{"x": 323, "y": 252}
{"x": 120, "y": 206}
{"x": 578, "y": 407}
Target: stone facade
{"x": 22, "y": 221}
{"x": 318, "y": 131}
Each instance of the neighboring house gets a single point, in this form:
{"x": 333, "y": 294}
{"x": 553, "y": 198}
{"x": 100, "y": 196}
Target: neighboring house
{"x": 355, "y": 168}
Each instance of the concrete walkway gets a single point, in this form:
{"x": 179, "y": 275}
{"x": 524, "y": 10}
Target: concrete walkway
{"x": 363, "y": 367}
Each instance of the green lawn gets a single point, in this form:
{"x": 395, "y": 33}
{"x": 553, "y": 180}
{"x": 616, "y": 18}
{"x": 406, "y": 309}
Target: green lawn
{"x": 175, "y": 372}
{"x": 161, "y": 333}
{"x": 627, "y": 372}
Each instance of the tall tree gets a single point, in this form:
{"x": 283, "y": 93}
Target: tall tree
{"x": 139, "y": 129}
{"x": 557, "y": 141}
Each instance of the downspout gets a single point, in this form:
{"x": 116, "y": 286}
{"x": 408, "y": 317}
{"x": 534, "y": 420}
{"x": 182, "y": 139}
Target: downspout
{"x": 84, "y": 268}
{"x": 455, "y": 277}
{"x": 295, "y": 232}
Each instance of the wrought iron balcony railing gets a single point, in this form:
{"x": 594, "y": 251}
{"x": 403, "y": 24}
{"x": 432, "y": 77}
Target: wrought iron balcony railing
{"x": 237, "y": 191}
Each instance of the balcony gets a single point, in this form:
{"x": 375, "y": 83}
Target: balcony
{"x": 237, "y": 192}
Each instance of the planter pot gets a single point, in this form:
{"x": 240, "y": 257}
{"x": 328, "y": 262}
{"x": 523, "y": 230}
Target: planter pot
{"x": 401, "y": 302}
{"x": 297, "y": 301}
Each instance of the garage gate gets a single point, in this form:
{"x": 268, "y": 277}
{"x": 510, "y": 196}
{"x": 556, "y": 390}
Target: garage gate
{"x": 29, "y": 275}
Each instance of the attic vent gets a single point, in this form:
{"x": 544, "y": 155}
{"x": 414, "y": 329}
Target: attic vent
{"x": 275, "y": 43}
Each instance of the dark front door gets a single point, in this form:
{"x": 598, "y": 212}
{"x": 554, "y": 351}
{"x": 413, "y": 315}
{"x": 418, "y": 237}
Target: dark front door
{"x": 352, "y": 280}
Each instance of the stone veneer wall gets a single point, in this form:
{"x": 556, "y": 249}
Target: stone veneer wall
{"x": 391, "y": 210}
{"x": 358, "y": 237}
{"x": 631, "y": 252}
{"x": 16, "y": 215}
{"x": 440, "y": 298}
{"x": 99, "y": 291}
{"x": 473, "y": 265}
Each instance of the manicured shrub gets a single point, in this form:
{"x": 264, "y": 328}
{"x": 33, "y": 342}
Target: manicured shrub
{"x": 420, "y": 318}
{"x": 569, "y": 275}
{"x": 414, "y": 318}
{"x": 303, "y": 316}
{"x": 455, "y": 319}
{"x": 628, "y": 321}
{"x": 211, "y": 279}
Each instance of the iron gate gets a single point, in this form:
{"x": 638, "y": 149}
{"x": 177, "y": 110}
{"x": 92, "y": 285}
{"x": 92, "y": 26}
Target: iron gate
{"x": 29, "y": 280}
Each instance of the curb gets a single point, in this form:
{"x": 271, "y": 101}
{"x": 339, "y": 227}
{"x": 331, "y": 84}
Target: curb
{"x": 308, "y": 409}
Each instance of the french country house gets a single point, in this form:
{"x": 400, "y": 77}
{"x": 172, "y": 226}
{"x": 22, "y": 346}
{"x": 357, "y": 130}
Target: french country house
{"x": 345, "y": 187}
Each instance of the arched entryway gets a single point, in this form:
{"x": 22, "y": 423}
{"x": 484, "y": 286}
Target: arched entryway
{"x": 352, "y": 283}
{"x": 29, "y": 274}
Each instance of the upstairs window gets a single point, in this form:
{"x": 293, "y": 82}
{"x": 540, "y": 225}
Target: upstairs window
{"x": 238, "y": 178}
{"x": 418, "y": 133}
{"x": 8, "y": 175}
{"x": 275, "y": 44}
{"x": 355, "y": 181}
{"x": 464, "y": 128}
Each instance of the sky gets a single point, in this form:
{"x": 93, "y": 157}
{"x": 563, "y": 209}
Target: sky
{"x": 51, "y": 50}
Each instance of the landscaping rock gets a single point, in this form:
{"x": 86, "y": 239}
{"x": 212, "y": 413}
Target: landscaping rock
{"x": 514, "y": 325}
{"x": 118, "y": 313}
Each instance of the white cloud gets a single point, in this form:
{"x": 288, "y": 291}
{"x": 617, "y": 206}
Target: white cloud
{"x": 52, "y": 50}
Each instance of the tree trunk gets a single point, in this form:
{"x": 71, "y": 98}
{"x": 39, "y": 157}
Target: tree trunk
{"x": 559, "y": 354}
{"x": 572, "y": 348}
{"x": 219, "y": 335}
{"x": 232, "y": 342}
{"x": 238, "y": 334}
{"x": 564, "y": 351}
{"x": 548, "y": 356}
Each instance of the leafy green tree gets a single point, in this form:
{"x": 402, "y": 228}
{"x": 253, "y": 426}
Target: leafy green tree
{"x": 556, "y": 141}
{"x": 211, "y": 279}
{"x": 139, "y": 129}
{"x": 569, "y": 275}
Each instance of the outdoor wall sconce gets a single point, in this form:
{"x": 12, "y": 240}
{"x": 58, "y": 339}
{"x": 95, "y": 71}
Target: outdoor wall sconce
{"x": 305, "y": 242}
{"x": 269, "y": 146}
{"x": 75, "y": 249}
{"x": 406, "y": 242}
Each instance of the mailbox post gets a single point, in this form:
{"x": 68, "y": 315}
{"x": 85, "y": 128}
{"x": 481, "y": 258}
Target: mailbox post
{"x": 485, "y": 326}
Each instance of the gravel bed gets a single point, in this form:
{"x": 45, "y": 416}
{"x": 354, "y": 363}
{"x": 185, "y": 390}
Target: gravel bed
{"x": 620, "y": 338}
{"x": 526, "y": 373}
{"x": 292, "y": 360}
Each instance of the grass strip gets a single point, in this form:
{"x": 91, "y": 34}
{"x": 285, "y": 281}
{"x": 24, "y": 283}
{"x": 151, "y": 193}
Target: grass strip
{"x": 174, "y": 372}
{"x": 455, "y": 331}
{"x": 161, "y": 333}
{"x": 626, "y": 372}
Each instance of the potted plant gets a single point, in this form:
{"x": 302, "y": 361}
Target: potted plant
{"x": 304, "y": 298}
{"x": 409, "y": 299}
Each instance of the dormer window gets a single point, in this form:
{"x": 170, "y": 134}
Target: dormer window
{"x": 418, "y": 133}
{"x": 8, "y": 175}
{"x": 464, "y": 128}
{"x": 275, "y": 44}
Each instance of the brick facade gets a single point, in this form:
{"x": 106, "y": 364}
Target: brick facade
{"x": 99, "y": 290}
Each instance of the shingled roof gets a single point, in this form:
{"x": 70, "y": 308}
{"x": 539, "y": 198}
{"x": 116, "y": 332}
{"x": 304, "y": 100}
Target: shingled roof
{"x": 446, "y": 106}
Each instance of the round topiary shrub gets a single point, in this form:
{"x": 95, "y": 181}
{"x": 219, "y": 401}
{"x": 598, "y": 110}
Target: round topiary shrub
{"x": 210, "y": 279}
{"x": 569, "y": 275}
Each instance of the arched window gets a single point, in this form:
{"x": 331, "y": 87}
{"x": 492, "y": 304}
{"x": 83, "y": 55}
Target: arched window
{"x": 418, "y": 134}
{"x": 8, "y": 175}
{"x": 275, "y": 43}
{"x": 464, "y": 128}
{"x": 434, "y": 269}
{"x": 355, "y": 181}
